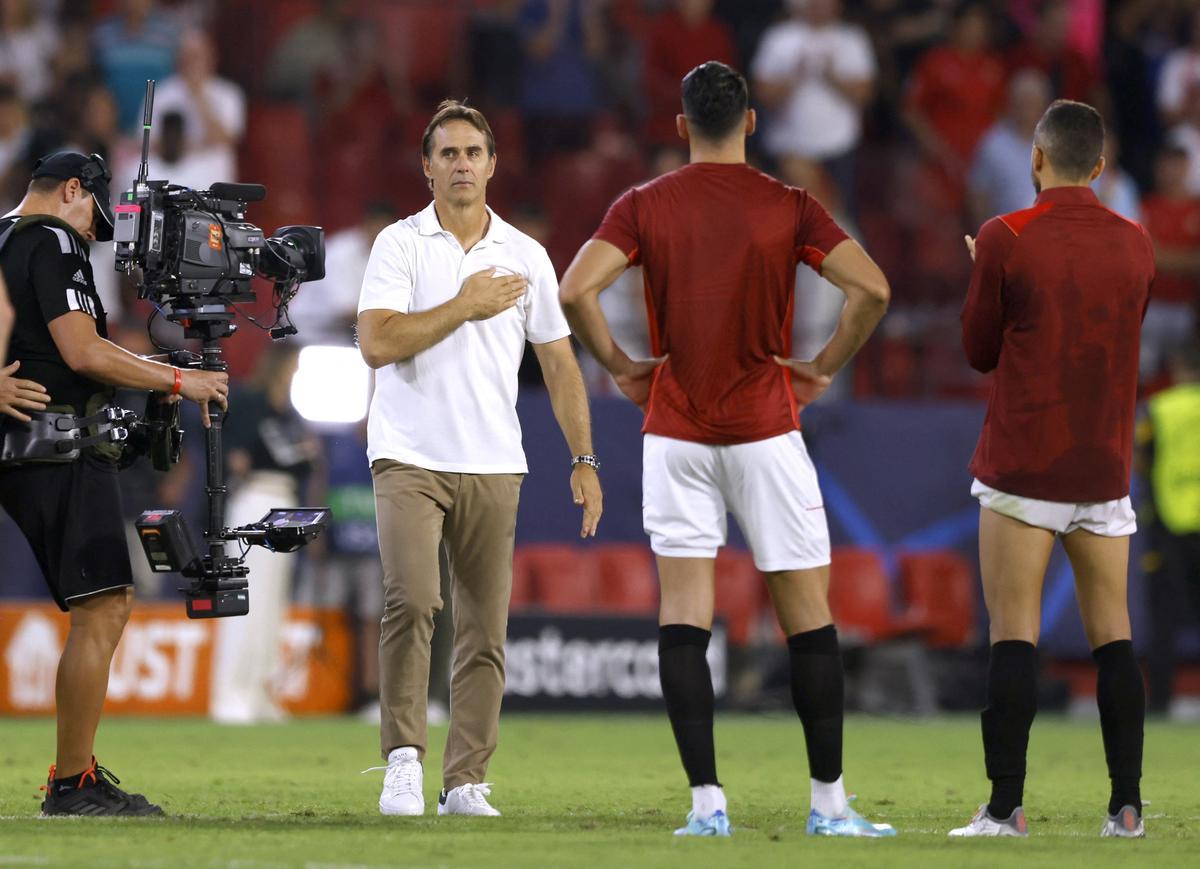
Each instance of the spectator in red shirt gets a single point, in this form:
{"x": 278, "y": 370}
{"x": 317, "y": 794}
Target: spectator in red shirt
{"x": 1049, "y": 51}
{"x": 1054, "y": 308}
{"x": 956, "y": 93}
{"x": 719, "y": 243}
{"x": 1172, "y": 217}
{"x": 681, "y": 38}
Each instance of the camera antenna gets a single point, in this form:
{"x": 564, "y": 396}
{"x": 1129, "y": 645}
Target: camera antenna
{"x": 144, "y": 169}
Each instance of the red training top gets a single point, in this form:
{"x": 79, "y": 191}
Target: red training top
{"x": 718, "y": 244}
{"x": 1055, "y": 307}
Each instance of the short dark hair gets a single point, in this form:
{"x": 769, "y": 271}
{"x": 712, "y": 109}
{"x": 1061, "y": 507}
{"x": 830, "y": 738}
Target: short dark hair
{"x": 45, "y": 184}
{"x": 715, "y": 99}
{"x": 453, "y": 110}
{"x": 1071, "y": 135}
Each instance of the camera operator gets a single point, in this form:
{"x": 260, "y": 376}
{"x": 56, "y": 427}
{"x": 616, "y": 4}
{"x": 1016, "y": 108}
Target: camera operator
{"x": 70, "y": 512}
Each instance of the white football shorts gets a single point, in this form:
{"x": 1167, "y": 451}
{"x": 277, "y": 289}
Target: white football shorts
{"x": 1105, "y": 518}
{"x": 770, "y": 487}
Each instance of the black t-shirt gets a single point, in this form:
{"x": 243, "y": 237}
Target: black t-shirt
{"x": 48, "y": 274}
{"x": 275, "y": 440}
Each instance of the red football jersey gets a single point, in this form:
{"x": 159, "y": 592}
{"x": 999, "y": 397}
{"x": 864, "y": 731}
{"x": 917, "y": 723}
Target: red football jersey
{"x": 1055, "y": 309}
{"x": 719, "y": 244}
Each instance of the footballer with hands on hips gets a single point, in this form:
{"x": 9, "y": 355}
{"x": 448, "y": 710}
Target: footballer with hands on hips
{"x": 1054, "y": 311}
{"x": 719, "y": 243}
{"x": 449, "y": 299}
{"x": 70, "y": 512}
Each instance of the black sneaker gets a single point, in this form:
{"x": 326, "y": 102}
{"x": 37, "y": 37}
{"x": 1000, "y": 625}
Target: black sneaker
{"x": 96, "y": 795}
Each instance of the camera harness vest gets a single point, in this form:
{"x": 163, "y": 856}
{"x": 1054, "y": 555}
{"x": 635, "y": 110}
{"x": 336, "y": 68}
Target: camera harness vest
{"x": 53, "y": 436}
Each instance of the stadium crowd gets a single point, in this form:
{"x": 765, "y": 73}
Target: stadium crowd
{"x": 910, "y": 119}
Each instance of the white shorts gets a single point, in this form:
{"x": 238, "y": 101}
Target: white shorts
{"x": 1105, "y": 518}
{"x": 769, "y": 486}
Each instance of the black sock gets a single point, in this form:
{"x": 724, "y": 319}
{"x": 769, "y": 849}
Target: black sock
{"x": 688, "y": 691}
{"x": 1121, "y": 696}
{"x": 1011, "y": 706}
{"x": 818, "y": 693}
{"x": 68, "y": 783}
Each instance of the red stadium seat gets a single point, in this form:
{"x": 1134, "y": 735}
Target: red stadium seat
{"x": 277, "y": 153}
{"x": 562, "y": 579}
{"x": 939, "y": 590}
{"x": 628, "y": 582}
{"x": 861, "y": 600}
{"x": 426, "y": 37}
{"x": 738, "y": 591}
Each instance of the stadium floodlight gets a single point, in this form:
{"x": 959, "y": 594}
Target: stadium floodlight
{"x": 332, "y": 385}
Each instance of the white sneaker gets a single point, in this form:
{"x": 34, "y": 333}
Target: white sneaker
{"x": 983, "y": 824}
{"x": 1125, "y": 824}
{"x": 467, "y": 800}
{"x": 402, "y": 785}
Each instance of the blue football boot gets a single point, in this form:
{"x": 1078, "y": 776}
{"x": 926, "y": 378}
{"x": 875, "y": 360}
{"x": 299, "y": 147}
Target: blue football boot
{"x": 716, "y": 825}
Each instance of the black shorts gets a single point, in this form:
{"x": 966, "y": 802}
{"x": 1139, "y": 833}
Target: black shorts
{"x": 71, "y": 515}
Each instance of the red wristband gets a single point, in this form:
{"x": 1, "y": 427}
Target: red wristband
{"x": 178, "y": 382}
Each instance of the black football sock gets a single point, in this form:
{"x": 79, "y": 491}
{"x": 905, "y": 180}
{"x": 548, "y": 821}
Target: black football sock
{"x": 818, "y": 692}
{"x": 68, "y": 783}
{"x": 1121, "y": 696}
{"x": 688, "y": 691}
{"x": 1011, "y": 707}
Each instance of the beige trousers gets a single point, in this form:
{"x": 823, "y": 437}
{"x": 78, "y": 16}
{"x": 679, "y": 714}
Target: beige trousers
{"x": 476, "y": 516}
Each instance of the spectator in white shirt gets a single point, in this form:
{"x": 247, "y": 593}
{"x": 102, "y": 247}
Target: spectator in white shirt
{"x": 324, "y": 311}
{"x": 28, "y": 42}
{"x": 816, "y": 74}
{"x": 1180, "y": 76}
{"x": 213, "y": 108}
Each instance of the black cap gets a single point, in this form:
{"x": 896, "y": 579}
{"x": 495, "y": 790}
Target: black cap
{"x": 92, "y": 173}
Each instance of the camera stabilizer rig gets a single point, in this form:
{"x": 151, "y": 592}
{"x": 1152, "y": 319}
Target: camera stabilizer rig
{"x": 193, "y": 256}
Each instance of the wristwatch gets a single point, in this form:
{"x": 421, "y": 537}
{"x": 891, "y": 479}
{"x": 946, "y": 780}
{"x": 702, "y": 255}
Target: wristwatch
{"x": 590, "y": 460}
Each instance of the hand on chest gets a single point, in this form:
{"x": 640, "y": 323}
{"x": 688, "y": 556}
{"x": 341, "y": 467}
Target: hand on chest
{"x": 436, "y": 286}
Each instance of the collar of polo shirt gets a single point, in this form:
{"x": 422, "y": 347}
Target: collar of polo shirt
{"x": 428, "y": 224}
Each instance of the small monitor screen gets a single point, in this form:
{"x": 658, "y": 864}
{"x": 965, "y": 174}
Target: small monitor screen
{"x": 295, "y": 518}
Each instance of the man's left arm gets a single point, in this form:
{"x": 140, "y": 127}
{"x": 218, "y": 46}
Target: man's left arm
{"x": 569, "y": 400}
{"x": 547, "y": 330}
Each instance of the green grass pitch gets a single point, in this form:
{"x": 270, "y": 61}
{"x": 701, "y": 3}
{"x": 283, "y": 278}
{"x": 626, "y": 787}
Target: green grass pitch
{"x": 585, "y": 792}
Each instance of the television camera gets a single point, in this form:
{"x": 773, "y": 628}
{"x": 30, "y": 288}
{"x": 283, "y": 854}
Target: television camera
{"x": 194, "y": 255}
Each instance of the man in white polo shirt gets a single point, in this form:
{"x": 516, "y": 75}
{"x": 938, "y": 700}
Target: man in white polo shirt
{"x": 449, "y": 299}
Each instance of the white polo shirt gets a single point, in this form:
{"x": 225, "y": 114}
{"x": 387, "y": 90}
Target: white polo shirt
{"x": 452, "y": 407}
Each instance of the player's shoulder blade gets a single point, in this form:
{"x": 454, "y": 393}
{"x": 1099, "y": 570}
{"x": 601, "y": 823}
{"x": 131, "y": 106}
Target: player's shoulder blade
{"x": 1018, "y": 221}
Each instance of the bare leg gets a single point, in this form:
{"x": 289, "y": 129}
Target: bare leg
{"x": 687, "y": 591}
{"x": 96, "y": 626}
{"x": 801, "y": 599}
{"x": 1101, "y": 566}
{"x": 1012, "y": 560}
